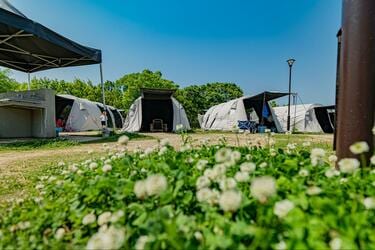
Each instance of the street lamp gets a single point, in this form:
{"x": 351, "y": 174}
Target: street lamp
{"x": 290, "y": 63}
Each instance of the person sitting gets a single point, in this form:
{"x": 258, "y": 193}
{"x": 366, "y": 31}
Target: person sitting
{"x": 60, "y": 124}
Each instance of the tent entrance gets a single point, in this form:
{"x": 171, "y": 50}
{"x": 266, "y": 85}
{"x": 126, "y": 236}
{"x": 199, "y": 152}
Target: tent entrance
{"x": 157, "y": 109}
{"x": 326, "y": 118}
{"x": 63, "y": 107}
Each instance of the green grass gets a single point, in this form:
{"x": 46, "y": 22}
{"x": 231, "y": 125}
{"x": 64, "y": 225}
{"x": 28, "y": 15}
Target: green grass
{"x": 33, "y": 144}
{"x": 37, "y": 144}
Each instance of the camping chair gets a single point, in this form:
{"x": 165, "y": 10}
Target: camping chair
{"x": 157, "y": 125}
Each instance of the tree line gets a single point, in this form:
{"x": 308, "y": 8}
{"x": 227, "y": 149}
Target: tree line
{"x": 121, "y": 93}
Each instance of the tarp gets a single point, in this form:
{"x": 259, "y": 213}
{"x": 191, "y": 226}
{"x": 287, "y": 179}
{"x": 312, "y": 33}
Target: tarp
{"x": 28, "y": 46}
{"x": 302, "y": 118}
{"x": 134, "y": 120}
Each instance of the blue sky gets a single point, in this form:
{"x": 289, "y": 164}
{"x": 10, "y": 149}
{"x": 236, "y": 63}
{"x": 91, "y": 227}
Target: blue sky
{"x": 198, "y": 41}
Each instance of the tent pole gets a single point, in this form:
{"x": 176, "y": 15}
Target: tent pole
{"x": 356, "y": 95}
{"x": 103, "y": 93}
{"x": 28, "y": 83}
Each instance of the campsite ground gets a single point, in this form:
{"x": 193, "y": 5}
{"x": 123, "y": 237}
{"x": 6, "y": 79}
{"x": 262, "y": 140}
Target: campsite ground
{"x": 21, "y": 164}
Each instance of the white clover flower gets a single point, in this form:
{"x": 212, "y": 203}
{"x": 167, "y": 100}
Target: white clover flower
{"x": 162, "y": 151}
{"x": 248, "y": 167}
{"x": 248, "y": 157}
{"x": 314, "y": 190}
{"x": 205, "y": 195}
{"x": 316, "y": 156}
{"x": 291, "y": 146}
{"x": 230, "y": 201}
{"x": 273, "y": 152}
{"x": 332, "y": 158}
{"x": 39, "y": 186}
{"x": 306, "y": 144}
{"x": 156, "y": 184}
{"x": 73, "y": 168}
{"x": 303, "y": 172}
{"x": 89, "y": 219}
{"x": 281, "y": 245}
{"x": 123, "y": 140}
{"x": 343, "y": 180}
{"x": 141, "y": 242}
{"x": 203, "y": 182}
{"x": 61, "y": 164}
{"x": 282, "y": 208}
{"x": 372, "y": 160}
{"x": 104, "y": 218}
{"x": 110, "y": 238}
{"x": 223, "y": 155}
{"x": 359, "y": 148}
{"x": 201, "y": 164}
{"x": 185, "y": 148}
{"x": 140, "y": 189}
{"x": 242, "y": 176}
{"x": 348, "y": 165}
{"x": 369, "y": 203}
{"x": 263, "y": 187}
{"x": 106, "y": 168}
{"x": 80, "y": 172}
{"x": 93, "y": 165}
{"x": 263, "y": 165}
{"x": 227, "y": 184}
{"x": 24, "y": 225}
{"x": 116, "y": 216}
{"x": 198, "y": 236}
{"x": 235, "y": 156}
{"x": 60, "y": 233}
{"x": 107, "y": 161}
{"x": 335, "y": 244}
{"x": 219, "y": 170}
{"x": 331, "y": 173}
{"x": 148, "y": 151}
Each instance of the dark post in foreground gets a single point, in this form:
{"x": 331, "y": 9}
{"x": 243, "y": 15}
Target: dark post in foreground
{"x": 356, "y": 96}
{"x": 290, "y": 63}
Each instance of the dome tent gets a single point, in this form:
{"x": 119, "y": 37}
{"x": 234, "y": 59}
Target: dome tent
{"x": 80, "y": 114}
{"x": 155, "y": 104}
{"x": 225, "y": 116}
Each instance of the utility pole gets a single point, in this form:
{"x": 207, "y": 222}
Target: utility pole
{"x": 356, "y": 95}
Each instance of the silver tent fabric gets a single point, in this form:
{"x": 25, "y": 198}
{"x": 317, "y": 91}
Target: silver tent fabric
{"x": 302, "y": 118}
{"x": 84, "y": 115}
{"x": 133, "y": 121}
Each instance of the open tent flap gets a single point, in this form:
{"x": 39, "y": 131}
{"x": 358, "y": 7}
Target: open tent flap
{"x": 155, "y": 104}
{"x": 326, "y": 118}
{"x": 28, "y": 46}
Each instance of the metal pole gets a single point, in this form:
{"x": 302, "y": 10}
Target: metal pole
{"x": 103, "y": 93}
{"x": 28, "y": 78}
{"x": 356, "y": 97}
{"x": 290, "y": 90}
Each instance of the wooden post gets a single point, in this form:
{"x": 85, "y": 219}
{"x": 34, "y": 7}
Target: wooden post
{"x": 356, "y": 97}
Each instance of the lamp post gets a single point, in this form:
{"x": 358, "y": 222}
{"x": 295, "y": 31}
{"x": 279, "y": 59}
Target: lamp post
{"x": 290, "y": 63}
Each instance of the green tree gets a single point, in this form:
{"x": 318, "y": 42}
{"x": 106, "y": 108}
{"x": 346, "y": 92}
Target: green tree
{"x": 196, "y": 99}
{"x": 6, "y": 82}
{"x": 131, "y": 85}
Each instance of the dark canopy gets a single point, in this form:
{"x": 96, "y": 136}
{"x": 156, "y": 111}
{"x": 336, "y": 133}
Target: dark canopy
{"x": 30, "y": 47}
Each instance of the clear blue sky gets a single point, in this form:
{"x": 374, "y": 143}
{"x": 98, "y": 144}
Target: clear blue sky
{"x": 200, "y": 41}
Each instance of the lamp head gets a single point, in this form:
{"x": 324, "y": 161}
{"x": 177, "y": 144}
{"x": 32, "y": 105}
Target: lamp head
{"x": 290, "y": 62}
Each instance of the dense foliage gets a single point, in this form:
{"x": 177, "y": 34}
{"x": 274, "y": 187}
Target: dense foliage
{"x": 199, "y": 197}
{"x": 122, "y": 92}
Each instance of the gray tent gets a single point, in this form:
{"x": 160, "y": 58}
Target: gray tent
{"x": 28, "y": 46}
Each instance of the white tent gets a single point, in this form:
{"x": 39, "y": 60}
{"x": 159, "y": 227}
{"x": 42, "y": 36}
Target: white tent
{"x": 225, "y": 116}
{"x": 83, "y": 115}
{"x": 302, "y": 118}
{"x": 155, "y": 104}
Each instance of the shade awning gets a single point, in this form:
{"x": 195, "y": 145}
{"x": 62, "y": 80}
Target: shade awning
{"x": 28, "y": 46}
{"x": 266, "y": 96}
